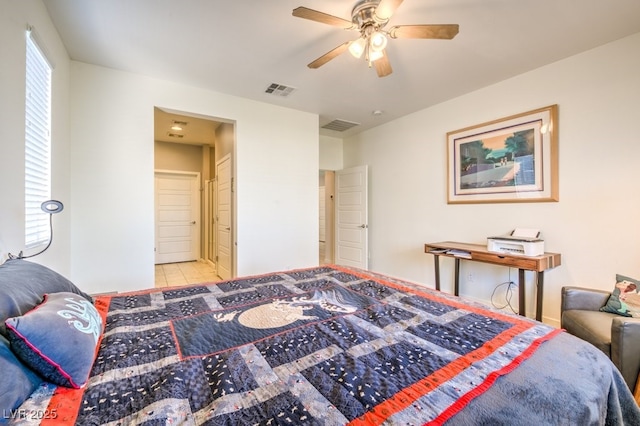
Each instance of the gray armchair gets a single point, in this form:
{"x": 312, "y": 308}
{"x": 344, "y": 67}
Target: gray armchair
{"x": 617, "y": 336}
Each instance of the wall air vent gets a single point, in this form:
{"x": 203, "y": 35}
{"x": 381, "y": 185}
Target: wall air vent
{"x": 339, "y": 125}
{"x": 175, "y": 135}
{"x": 279, "y": 90}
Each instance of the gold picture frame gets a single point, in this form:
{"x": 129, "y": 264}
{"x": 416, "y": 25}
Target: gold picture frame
{"x": 509, "y": 160}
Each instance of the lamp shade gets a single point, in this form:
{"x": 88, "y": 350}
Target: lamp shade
{"x": 374, "y": 55}
{"x": 377, "y": 41}
{"x": 52, "y": 206}
{"x": 357, "y": 47}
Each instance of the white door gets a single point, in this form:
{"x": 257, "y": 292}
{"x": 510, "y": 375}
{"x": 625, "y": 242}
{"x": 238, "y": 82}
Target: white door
{"x": 224, "y": 237}
{"x": 352, "y": 217}
{"x": 177, "y": 205}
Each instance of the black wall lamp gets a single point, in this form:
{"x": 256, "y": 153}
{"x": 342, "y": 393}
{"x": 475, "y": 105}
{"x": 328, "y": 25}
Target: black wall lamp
{"x": 51, "y": 207}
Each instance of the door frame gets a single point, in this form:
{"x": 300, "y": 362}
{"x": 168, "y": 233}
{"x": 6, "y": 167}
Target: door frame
{"x": 209, "y": 221}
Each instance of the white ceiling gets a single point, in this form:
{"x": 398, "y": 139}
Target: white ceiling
{"x": 170, "y": 126}
{"x": 240, "y": 47}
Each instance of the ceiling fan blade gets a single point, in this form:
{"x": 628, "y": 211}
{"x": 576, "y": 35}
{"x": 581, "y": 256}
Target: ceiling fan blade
{"x": 386, "y": 8}
{"x": 382, "y": 65}
{"x": 323, "y": 18}
{"x": 329, "y": 55}
{"x": 446, "y": 31}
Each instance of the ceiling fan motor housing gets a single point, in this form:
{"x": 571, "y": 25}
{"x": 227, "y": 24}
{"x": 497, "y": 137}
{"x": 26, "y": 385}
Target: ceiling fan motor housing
{"x": 363, "y": 16}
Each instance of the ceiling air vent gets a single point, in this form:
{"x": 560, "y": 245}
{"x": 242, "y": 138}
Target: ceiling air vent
{"x": 340, "y": 125}
{"x": 179, "y": 123}
{"x": 175, "y": 135}
{"x": 279, "y": 90}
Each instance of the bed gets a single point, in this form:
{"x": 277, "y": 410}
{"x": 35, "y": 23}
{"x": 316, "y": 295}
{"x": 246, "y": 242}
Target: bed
{"x": 320, "y": 346}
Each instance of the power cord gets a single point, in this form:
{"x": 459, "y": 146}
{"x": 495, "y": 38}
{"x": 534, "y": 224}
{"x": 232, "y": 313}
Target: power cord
{"x": 21, "y": 256}
{"x": 507, "y": 296}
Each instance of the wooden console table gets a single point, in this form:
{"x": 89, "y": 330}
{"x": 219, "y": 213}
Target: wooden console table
{"x": 479, "y": 253}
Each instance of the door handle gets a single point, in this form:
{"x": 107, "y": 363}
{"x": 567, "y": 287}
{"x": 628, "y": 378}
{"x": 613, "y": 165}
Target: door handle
{"x": 193, "y": 222}
{"x": 228, "y": 228}
{"x": 363, "y": 226}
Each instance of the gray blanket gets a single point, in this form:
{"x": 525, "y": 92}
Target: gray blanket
{"x": 566, "y": 382}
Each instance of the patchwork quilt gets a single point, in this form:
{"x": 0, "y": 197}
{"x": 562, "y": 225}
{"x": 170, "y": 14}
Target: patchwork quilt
{"x": 325, "y": 345}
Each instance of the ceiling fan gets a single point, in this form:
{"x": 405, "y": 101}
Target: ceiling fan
{"x": 369, "y": 17}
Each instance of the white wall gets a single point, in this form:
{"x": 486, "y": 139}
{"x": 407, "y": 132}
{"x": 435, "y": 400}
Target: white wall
{"x": 179, "y": 156}
{"x": 15, "y": 17}
{"x": 331, "y": 156}
{"x": 224, "y": 141}
{"x": 595, "y": 225}
{"x": 112, "y": 177}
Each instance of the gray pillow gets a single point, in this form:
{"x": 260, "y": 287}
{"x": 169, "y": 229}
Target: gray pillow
{"x": 18, "y": 381}
{"x": 23, "y": 285}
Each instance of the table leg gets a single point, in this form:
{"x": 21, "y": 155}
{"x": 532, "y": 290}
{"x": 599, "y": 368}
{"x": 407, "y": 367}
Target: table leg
{"x": 539, "y": 288}
{"x": 456, "y": 288}
{"x": 436, "y": 264}
{"x": 521, "y": 293}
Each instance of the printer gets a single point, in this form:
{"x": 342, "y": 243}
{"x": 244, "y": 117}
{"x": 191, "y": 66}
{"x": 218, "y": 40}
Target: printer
{"x": 520, "y": 241}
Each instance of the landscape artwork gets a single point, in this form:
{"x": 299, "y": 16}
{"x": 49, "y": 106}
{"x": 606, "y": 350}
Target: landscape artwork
{"x": 507, "y": 160}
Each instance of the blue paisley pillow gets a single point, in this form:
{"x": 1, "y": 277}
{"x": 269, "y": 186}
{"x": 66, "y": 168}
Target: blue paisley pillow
{"x": 58, "y": 338}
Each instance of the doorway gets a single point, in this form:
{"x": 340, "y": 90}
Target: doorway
{"x": 192, "y": 144}
{"x": 326, "y": 216}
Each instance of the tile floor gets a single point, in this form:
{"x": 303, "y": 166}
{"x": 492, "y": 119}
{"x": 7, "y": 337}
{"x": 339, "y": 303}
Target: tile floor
{"x": 185, "y": 273}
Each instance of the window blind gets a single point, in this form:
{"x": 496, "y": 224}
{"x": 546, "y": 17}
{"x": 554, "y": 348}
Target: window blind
{"x": 37, "y": 144}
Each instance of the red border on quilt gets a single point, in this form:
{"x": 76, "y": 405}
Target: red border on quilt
{"x": 411, "y": 394}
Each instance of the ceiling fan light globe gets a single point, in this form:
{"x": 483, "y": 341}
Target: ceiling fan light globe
{"x": 377, "y": 41}
{"x": 374, "y": 55}
{"x": 357, "y": 48}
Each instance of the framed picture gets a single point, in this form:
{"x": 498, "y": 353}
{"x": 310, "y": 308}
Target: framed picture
{"x": 509, "y": 160}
